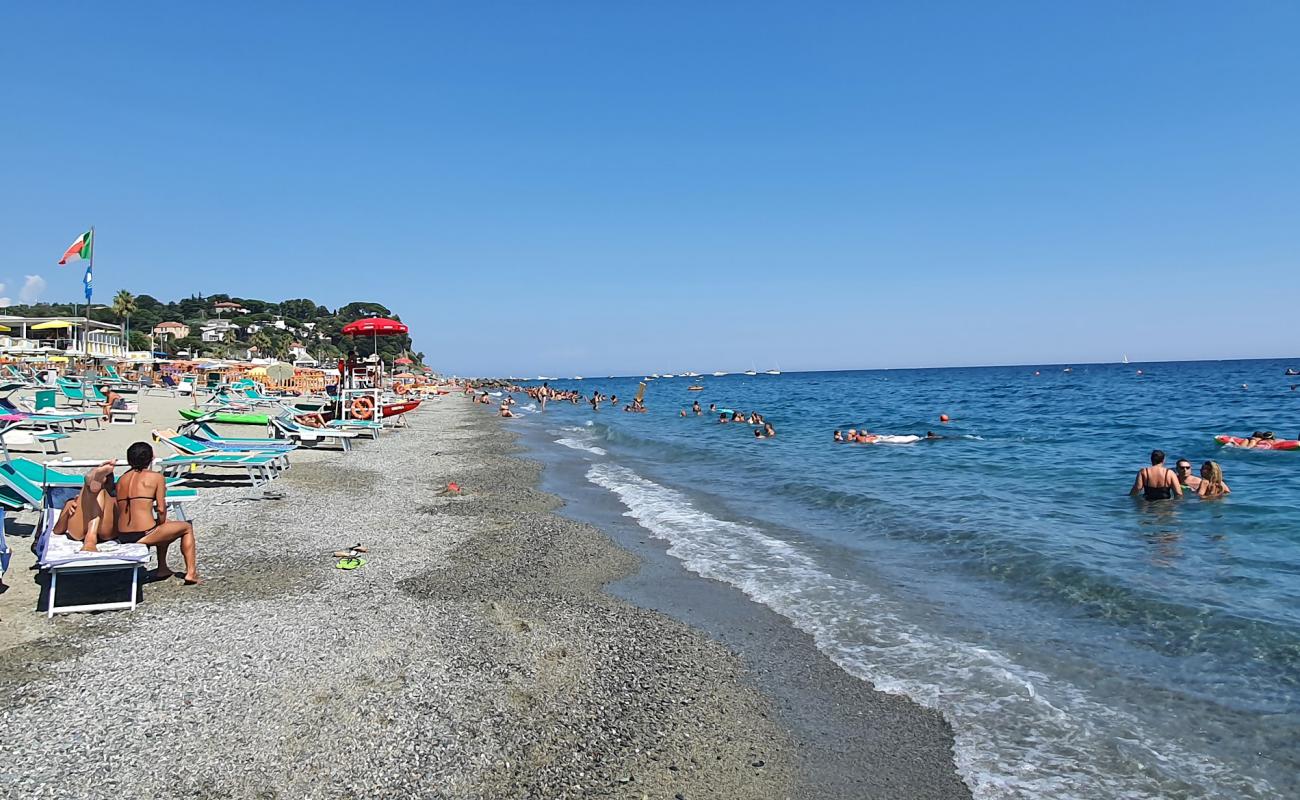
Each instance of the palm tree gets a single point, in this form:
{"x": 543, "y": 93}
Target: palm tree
{"x": 124, "y": 306}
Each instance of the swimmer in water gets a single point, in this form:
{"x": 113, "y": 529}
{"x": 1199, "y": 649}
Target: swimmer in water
{"x": 851, "y": 436}
{"x": 723, "y": 419}
{"x": 695, "y": 408}
{"x": 1183, "y": 469}
{"x": 713, "y": 407}
{"x": 1156, "y": 482}
{"x": 768, "y": 430}
{"x": 932, "y": 436}
{"x": 1212, "y": 484}
{"x": 838, "y": 437}
{"x": 758, "y": 433}
{"x": 681, "y": 413}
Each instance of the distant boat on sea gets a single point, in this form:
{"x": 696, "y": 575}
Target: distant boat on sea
{"x": 690, "y": 374}
{"x": 577, "y": 377}
{"x": 776, "y": 371}
{"x": 1125, "y": 361}
{"x": 719, "y": 374}
{"x": 669, "y": 375}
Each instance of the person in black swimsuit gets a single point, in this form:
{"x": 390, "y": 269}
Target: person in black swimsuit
{"x": 1157, "y": 482}
{"x": 142, "y": 513}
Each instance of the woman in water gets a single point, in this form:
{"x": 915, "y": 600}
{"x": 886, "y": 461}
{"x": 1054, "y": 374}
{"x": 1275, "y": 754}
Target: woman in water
{"x": 142, "y": 513}
{"x": 1212, "y": 484}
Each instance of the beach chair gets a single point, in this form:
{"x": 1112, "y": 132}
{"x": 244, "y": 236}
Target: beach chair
{"x": 5, "y": 552}
{"x": 35, "y": 479}
{"x": 288, "y": 427}
{"x": 189, "y": 446}
{"x": 73, "y": 392}
{"x": 62, "y": 556}
{"x": 259, "y": 468}
{"x": 200, "y": 429}
{"x": 58, "y": 419}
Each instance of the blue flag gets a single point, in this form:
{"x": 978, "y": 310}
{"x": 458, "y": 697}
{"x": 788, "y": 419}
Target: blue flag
{"x": 88, "y": 279}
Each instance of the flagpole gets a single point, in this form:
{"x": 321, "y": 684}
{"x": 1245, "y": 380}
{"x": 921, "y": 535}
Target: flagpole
{"x": 93, "y": 245}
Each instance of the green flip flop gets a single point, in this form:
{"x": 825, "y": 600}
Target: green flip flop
{"x": 350, "y": 563}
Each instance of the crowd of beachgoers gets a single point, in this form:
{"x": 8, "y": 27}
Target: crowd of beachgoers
{"x": 121, "y": 497}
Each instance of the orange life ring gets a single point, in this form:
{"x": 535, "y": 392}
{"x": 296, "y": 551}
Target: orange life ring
{"x": 401, "y": 388}
{"x": 363, "y": 408}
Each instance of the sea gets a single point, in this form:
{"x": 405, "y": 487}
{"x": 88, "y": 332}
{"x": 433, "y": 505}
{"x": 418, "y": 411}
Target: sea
{"x": 1082, "y": 643}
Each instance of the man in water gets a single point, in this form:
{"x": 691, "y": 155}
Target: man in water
{"x": 1156, "y": 482}
{"x": 713, "y": 408}
{"x": 1183, "y": 469}
{"x": 838, "y": 437}
{"x": 695, "y": 407}
{"x": 723, "y": 419}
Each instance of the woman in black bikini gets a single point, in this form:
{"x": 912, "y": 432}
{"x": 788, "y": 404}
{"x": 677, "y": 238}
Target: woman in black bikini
{"x": 142, "y": 513}
{"x": 1157, "y": 482}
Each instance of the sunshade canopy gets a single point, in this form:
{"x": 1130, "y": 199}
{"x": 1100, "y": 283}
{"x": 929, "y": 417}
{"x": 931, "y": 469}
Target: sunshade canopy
{"x": 375, "y": 326}
{"x": 53, "y": 324}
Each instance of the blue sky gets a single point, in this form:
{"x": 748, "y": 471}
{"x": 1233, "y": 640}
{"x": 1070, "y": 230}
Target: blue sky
{"x": 600, "y": 188}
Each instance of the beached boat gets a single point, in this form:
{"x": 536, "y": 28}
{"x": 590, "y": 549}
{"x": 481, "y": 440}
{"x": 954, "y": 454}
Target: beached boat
{"x": 393, "y": 409}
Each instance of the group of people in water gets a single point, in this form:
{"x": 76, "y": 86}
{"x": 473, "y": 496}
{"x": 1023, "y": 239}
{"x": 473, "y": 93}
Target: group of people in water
{"x": 127, "y": 510}
{"x": 726, "y": 416}
{"x": 1158, "y": 482}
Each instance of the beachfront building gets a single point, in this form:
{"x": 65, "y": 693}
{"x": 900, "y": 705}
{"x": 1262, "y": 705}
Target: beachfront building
{"x": 73, "y": 336}
{"x": 170, "y": 330}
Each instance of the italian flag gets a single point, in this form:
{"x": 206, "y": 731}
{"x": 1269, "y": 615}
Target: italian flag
{"x": 79, "y": 249}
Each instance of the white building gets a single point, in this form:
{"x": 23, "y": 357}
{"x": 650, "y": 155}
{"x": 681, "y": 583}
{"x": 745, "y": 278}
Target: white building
{"x": 215, "y": 330}
{"x": 76, "y": 336}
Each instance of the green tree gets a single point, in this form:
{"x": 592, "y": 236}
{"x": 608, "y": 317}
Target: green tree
{"x": 124, "y": 306}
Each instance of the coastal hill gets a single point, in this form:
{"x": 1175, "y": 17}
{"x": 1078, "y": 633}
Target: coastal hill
{"x": 222, "y": 326}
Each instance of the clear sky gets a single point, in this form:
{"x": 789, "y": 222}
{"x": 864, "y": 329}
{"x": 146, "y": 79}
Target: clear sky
{"x": 599, "y": 187}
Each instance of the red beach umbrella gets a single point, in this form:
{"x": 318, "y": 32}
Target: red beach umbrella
{"x": 375, "y": 326}
{"x": 403, "y": 360}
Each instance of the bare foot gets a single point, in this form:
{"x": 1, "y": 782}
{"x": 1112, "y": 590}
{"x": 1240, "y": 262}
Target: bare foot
{"x": 192, "y": 579}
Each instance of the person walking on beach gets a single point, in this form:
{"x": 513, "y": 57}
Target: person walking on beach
{"x": 142, "y": 514}
{"x": 1156, "y": 482}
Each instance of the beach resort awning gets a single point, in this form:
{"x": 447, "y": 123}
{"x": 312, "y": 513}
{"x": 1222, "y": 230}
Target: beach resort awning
{"x": 52, "y": 325}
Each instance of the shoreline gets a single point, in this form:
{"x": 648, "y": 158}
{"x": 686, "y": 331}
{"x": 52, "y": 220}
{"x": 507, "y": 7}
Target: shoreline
{"x": 476, "y": 654}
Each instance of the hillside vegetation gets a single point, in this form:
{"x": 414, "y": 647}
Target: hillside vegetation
{"x": 268, "y": 329}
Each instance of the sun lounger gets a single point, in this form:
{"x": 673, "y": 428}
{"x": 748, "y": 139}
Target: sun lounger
{"x": 201, "y": 430}
{"x": 61, "y": 556}
{"x": 189, "y": 446}
{"x": 39, "y": 478}
{"x": 259, "y": 468}
{"x": 285, "y": 425}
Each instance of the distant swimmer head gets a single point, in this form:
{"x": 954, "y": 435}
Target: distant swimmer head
{"x": 1157, "y": 457}
{"x": 943, "y": 417}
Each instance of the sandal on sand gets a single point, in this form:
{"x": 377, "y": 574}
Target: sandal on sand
{"x": 350, "y": 563}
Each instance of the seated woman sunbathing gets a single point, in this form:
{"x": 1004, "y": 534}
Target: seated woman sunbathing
{"x": 141, "y": 513}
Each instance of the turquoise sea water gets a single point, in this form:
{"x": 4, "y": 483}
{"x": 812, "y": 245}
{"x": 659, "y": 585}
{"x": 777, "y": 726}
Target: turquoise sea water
{"x": 1081, "y": 643}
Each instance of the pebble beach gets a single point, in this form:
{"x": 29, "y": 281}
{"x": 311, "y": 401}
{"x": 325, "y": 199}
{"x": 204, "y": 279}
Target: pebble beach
{"x": 475, "y": 654}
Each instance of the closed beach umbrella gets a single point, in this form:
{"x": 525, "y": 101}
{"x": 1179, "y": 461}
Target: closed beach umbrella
{"x": 280, "y": 372}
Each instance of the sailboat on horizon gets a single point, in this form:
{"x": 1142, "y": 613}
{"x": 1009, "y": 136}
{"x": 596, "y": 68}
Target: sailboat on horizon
{"x": 1125, "y": 361}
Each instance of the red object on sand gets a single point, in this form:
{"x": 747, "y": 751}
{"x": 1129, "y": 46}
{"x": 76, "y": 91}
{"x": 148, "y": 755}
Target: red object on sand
{"x": 393, "y": 409}
{"x": 375, "y": 326}
{"x": 453, "y": 487}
